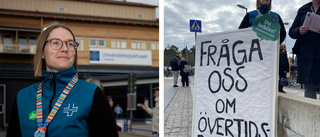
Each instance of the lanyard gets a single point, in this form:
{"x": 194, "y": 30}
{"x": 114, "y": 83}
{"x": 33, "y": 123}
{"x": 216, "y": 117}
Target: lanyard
{"x": 42, "y": 126}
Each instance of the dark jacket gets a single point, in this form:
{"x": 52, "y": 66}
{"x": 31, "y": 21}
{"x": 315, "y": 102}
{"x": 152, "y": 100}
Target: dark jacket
{"x": 174, "y": 63}
{"x": 250, "y": 17}
{"x": 84, "y": 112}
{"x": 181, "y": 66}
{"x": 283, "y": 63}
{"x": 308, "y": 54}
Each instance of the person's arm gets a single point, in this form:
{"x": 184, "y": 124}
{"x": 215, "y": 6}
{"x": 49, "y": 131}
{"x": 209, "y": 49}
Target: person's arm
{"x": 101, "y": 121}
{"x": 14, "y": 124}
{"x": 147, "y": 109}
{"x": 245, "y": 22}
{"x": 283, "y": 32}
{"x": 294, "y": 29}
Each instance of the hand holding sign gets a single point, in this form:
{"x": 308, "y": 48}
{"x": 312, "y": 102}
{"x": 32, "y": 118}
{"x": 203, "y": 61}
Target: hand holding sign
{"x": 303, "y": 30}
{"x": 267, "y": 26}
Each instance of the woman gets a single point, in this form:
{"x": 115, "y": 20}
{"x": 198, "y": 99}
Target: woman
{"x": 283, "y": 65}
{"x": 263, "y": 7}
{"x": 154, "y": 112}
{"x": 308, "y": 45}
{"x": 110, "y": 101}
{"x": 77, "y": 108}
{"x": 97, "y": 82}
{"x": 184, "y": 75}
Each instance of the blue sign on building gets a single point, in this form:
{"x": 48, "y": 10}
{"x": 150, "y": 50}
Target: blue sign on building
{"x": 195, "y": 26}
{"x": 94, "y": 56}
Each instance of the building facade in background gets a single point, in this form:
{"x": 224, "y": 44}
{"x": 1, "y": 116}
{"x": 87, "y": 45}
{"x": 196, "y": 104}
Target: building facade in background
{"x": 116, "y": 39}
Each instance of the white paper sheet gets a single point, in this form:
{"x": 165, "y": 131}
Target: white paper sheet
{"x": 312, "y": 21}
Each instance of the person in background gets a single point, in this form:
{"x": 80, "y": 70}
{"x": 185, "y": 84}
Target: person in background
{"x": 263, "y": 7}
{"x": 174, "y": 63}
{"x": 95, "y": 81}
{"x": 61, "y": 104}
{"x": 154, "y": 112}
{"x": 308, "y": 49}
{"x": 118, "y": 110}
{"x": 283, "y": 65}
{"x": 110, "y": 101}
{"x": 184, "y": 75}
{"x": 109, "y": 98}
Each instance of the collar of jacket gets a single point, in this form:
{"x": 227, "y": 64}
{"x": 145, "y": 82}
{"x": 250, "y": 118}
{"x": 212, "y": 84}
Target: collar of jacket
{"x": 61, "y": 78}
{"x": 264, "y": 9}
{"x": 305, "y": 8}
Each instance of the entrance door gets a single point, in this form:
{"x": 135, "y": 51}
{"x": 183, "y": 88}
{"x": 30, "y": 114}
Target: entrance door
{"x": 2, "y": 105}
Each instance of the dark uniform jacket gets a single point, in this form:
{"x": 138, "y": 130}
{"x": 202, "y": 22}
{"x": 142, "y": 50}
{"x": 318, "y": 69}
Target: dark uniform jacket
{"x": 308, "y": 54}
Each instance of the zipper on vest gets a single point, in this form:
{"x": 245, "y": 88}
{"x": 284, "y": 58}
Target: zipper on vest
{"x": 53, "y": 85}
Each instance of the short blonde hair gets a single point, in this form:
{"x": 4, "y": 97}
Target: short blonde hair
{"x": 95, "y": 81}
{"x": 282, "y": 46}
{"x": 258, "y": 4}
{"x": 39, "y": 63}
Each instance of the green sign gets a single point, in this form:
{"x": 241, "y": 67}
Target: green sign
{"x": 267, "y": 26}
{"x": 33, "y": 115}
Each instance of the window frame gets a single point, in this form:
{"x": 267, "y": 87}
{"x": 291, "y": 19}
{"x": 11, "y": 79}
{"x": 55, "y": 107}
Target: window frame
{"x": 139, "y": 45}
{"x": 118, "y": 43}
{"x": 81, "y": 44}
{"x": 156, "y": 45}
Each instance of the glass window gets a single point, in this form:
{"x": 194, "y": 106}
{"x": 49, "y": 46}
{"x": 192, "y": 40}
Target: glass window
{"x": 7, "y": 41}
{"x": 22, "y": 40}
{"x": 93, "y": 43}
{"x": 101, "y": 43}
{"x": 113, "y": 44}
{"x": 118, "y": 43}
{"x": 81, "y": 44}
{"x": 154, "y": 45}
{"x": 138, "y": 45}
{"x": 123, "y": 44}
{"x": 61, "y": 9}
{"x": 140, "y": 16}
{"x": 133, "y": 45}
{"x": 23, "y": 44}
{"x": 143, "y": 45}
{"x": 32, "y": 40}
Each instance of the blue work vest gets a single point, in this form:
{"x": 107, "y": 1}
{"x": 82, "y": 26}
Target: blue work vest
{"x": 71, "y": 119}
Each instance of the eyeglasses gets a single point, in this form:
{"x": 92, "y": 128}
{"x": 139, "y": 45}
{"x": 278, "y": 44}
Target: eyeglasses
{"x": 58, "y": 43}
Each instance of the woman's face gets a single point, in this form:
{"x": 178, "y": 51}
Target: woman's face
{"x": 265, "y": 2}
{"x": 58, "y": 59}
{"x": 111, "y": 103}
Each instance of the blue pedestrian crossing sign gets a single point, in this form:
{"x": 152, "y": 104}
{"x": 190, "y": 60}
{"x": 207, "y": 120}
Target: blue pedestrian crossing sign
{"x": 195, "y": 26}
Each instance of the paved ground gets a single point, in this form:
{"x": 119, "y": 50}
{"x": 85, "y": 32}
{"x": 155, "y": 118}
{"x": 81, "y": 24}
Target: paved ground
{"x": 178, "y": 104}
{"x": 178, "y": 114}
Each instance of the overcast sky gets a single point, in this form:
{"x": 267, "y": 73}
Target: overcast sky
{"x": 217, "y": 16}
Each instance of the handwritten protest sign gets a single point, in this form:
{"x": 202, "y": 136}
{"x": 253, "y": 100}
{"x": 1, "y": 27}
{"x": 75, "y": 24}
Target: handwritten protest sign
{"x": 235, "y": 85}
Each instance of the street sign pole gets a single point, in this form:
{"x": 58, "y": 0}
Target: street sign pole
{"x": 195, "y": 26}
{"x": 195, "y": 38}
